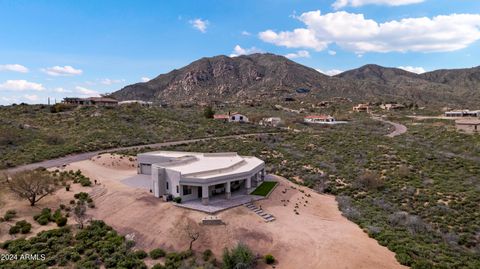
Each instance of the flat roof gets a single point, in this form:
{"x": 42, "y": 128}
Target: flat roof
{"x": 204, "y": 165}
{"x": 468, "y": 122}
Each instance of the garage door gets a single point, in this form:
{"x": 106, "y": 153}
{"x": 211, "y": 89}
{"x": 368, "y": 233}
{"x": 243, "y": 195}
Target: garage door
{"x": 146, "y": 169}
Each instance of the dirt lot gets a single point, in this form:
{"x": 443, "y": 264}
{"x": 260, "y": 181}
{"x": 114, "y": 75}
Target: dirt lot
{"x": 318, "y": 237}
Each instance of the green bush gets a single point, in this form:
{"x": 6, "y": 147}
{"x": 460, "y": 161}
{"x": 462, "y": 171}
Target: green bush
{"x": 44, "y": 217}
{"x": 141, "y": 254}
{"x": 241, "y": 255}
{"x": 177, "y": 200}
{"x": 10, "y": 214}
{"x": 157, "y": 253}
{"x": 82, "y": 196}
{"x": 158, "y": 266}
{"x": 62, "y": 221}
{"x": 20, "y": 227}
{"x": 269, "y": 259}
{"x": 207, "y": 254}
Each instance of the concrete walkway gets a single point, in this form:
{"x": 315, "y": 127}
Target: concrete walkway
{"x": 399, "y": 128}
{"x": 88, "y": 155}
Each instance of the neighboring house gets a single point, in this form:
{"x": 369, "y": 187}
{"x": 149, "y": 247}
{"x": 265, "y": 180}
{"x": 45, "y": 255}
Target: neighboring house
{"x": 221, "y": 117}
{"x": 462, "y": 113}
{"x": 237, "y": 117}
{"x": 321, "y": 119}
{"x": 361, "y": 108}
{"x": 468, "y": 126}
{"x": 193, "y": 175}
{"x": 139, "y": 102}
{"x": 391, "y": 106}
{"x": 271, "y": 121}
{"x": 90, "y": 101}
{"x": 231, "y": 117}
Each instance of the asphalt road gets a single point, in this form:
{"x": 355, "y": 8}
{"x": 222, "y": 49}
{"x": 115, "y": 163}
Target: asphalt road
{"x": 88, "y": 155}
{"x": 399, "y": 128}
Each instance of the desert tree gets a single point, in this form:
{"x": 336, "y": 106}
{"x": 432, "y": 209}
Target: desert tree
{"x": 31, "y": 185}
{"x": 192, "y": 232}
{"x": 79, "y": 213}
{"x": 208, "y": 112}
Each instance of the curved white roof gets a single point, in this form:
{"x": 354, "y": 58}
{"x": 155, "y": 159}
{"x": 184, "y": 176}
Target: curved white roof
{"x": 202, "y": 165}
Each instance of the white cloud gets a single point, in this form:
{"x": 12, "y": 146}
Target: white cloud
{"x": 331, "y": 72}
{"x": 66, "y": 70}
{"x": 356, "y": 33}
{"x": 31, "y": 97}
{"x": 237, "y": 51}
{"x": 14, "y": 68}
{"x": 145, "y": 79}
{"x": 86, "y": 92}
{"x": 413, "y": 69}
{"x": 298, "y": 54}
{"x": 200, "y": 25}
{"x": 21, "y": 85}
{"x": 299, "y": 38}
{"x": 332, "y": 52}
{"x": 107, "y": 81}
{"x": 356, "y": 3}
{"x": 61, "y": 90}
{"x": 246, "y": 33}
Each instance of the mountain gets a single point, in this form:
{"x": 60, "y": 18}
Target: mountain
{"x": 271, "y": 77}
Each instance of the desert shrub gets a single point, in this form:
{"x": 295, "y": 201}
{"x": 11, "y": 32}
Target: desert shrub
{"x": 82, "y": 196}
{"x": 44, "y": 217}
{"x": 207, "y": 254}
{"x": 347, "y": 208}
{"x": 157, "y": 253}
{"x": 20, "y": 227}
{"x": 239, "y": 257}
{"x": 412, "y": 222}
{"x": 177, "y": 200}
{"x": 369, "y": 180}
{"x": 61, "y": 221}
{"x": 158, "y": 266}
{"x": 141, "y": 254}
{"x": 10, "y": 214}
{"x": 269, "y": 259}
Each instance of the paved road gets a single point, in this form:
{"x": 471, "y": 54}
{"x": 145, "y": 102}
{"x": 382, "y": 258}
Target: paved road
{"x": 399, "y": 128}
{"x": 88, "y": 155}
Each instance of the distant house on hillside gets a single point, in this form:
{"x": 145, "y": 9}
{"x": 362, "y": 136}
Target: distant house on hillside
{"x": 320, "y": 119}
{"x": 271, "y": 121}
{"x": 391, "y": 106}
{"x": 462, "y": 113}
{"x": 231, "y": 117}
{"x": 361, "y": 108}
{"x": 90, "y": 101}
{"x": 139, "y": 102}
{"x": 221, "y": 117}
{"x": 468, "y": 126}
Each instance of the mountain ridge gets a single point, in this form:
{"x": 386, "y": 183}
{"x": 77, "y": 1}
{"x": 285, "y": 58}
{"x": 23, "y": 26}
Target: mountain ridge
{"x": 265, "y": 76}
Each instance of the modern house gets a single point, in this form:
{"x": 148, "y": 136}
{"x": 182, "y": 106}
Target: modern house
{"x": 271, "y": 121}
{"x": 468, "y": 126}
{"x": 90, "y": 101}
{"x": 391, "y": 106}
{"x": 320, "y": 119}
{"x": 193, "y": 175}
{"x": 462, "y": 113}
{"x": 231, "y": 117}
{"x": 361, "y": 108}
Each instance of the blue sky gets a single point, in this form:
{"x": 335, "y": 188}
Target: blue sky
{"x": 81, "y": 48}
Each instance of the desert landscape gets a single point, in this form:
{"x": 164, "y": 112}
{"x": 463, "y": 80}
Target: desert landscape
{"x": 319, "y": 228}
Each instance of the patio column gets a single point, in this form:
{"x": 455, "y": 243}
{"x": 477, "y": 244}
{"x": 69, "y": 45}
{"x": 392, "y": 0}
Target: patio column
{"x": 205, "y": 195}
{"x": 248, "y": 184}
{"x": 228, "y": 193}
{"x": 263, "y": 174}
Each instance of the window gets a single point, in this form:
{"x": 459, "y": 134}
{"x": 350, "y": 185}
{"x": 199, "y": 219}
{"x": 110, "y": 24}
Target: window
{"x": 187, "y": 190}
{"x": 177, "y": 189}
{"x": 241, "y": 117}
{"x": 167, "y": 185}
{"x": 233, "y": 117}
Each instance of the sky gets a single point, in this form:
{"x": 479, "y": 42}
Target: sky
{"x": 85, "y": 48}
